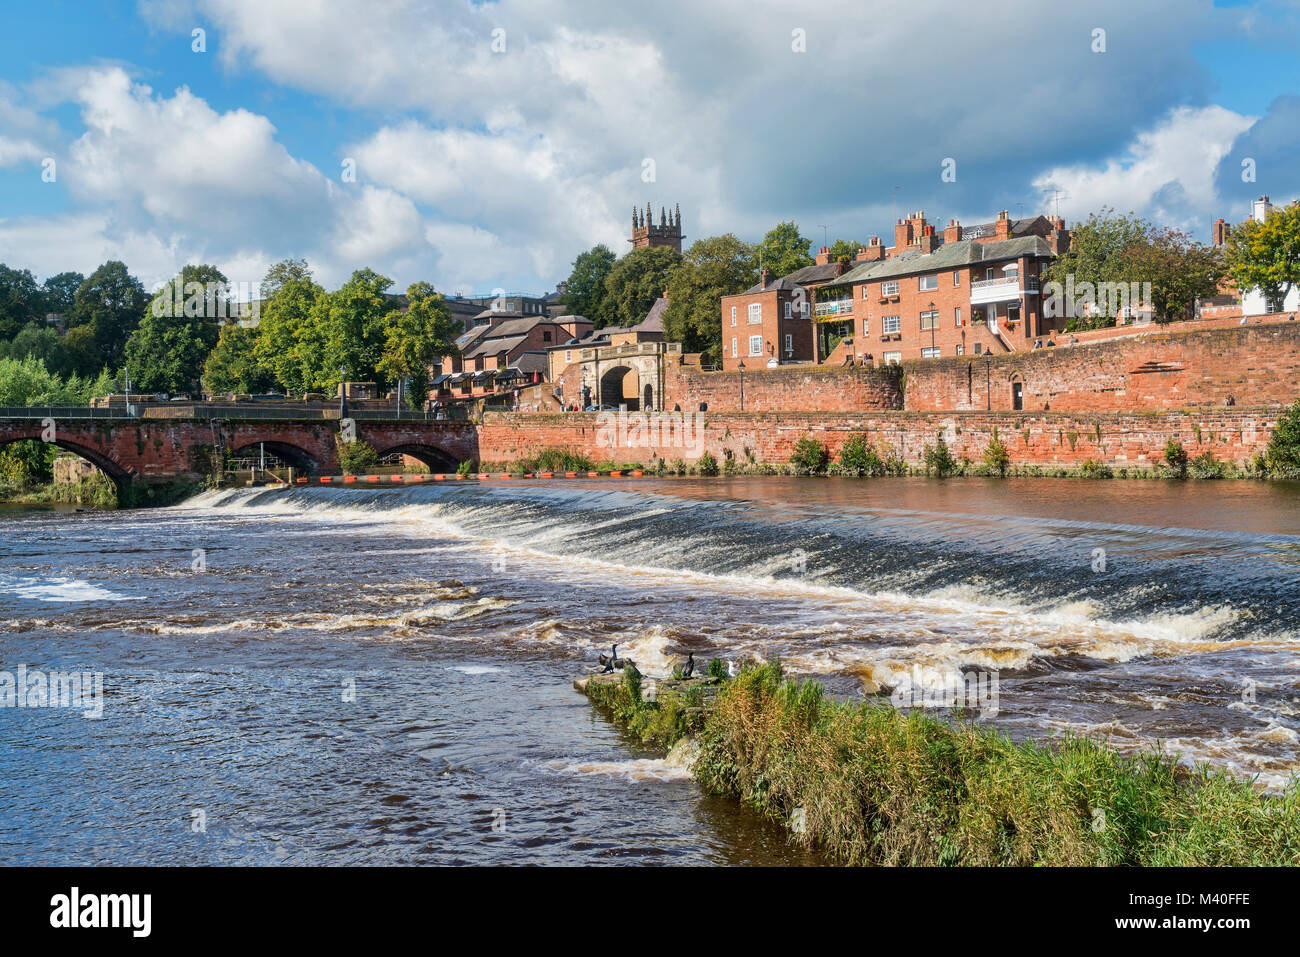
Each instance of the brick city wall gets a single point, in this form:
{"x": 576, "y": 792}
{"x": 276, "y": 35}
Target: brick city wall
{"x": 784, "y": 389}
{"x": 1169, "y": 368}
{"x": 1122, "y": 439}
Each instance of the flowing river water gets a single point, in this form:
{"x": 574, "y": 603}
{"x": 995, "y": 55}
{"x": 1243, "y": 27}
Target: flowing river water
{"x": 384, "y": 676}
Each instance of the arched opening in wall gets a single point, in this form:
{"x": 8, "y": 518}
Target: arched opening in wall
{"x": 648, "y": 399}
{"x": 1017, "y": 394}
{"x": 276, "y": 456}
{"x": 435, "y": 459}
{"x": 28, "y": 464}
{"x": 618, "y": 386}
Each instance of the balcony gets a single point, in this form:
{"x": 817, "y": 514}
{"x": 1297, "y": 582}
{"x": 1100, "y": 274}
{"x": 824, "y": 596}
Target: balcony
{"x": 832, "y": 308}
{"x": 997, "y": 290}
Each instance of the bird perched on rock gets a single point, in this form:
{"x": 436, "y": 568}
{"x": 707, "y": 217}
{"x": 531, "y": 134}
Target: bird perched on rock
{"x": 690, "y": 665}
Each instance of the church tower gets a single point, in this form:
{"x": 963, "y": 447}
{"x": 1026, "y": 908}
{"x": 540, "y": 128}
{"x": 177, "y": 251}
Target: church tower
{"x": 646, "y": 235}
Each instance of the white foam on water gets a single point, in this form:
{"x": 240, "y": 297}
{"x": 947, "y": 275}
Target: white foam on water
{"x": 639, "y": 770}
{"x": 476, "y": 669}
{"x": 60, "y": 590}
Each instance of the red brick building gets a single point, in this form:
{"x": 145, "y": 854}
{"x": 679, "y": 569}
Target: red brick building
{"x": 966, "y": 291}
{"x": 768, "y": 324}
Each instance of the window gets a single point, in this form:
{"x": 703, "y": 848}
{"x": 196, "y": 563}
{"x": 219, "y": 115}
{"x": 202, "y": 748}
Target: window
{"x": 960, "y": 349}
{"x": 956, "y": 316}
{"x": 734, "y": 352}
{"x": 889, "y": 288}
{"x": 787, "y": 309}
{"x": 988, "y": 273}
{"x": 890, "y": 325}
{"x": 546, "y": 337}
{"x": 956, "y": 278}
{"x": 866, "y": 326}
{"x": 865, "y": 287}
{"x": 789, "y": 344}
{"x": 930, "y": 319}
{"x": 755, "y": 312}
{"x": 568, "y": 356}
{"x": 927, "y": 282}
{"x": 755, "y": 345}
{"x": 930, "y": 352}
{"x": 892, "y": 357}
{"x": 733, "y": 315}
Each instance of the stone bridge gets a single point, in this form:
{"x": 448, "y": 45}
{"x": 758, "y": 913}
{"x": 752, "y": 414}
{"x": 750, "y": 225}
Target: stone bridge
{"x": 148, "y": 450}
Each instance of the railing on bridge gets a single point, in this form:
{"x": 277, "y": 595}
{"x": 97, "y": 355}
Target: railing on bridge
{"x": 449, "y": 414}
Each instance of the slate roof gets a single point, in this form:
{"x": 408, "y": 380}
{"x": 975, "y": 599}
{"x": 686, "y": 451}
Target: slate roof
{"x": 948, "y": 256}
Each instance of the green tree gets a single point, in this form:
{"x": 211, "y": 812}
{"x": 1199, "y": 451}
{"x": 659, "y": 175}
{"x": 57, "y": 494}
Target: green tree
{"x": 232, "y": 365}
{"x": 21, "y": 300}
{"x": 111, "y": 301}
{"x": 636, "y": 281}
{"x": 167, "y": 351}
{"x": 355, "y": 317}
{"x": 415, "y": 339}
{"x": 1098, "y": 254}
{"x": 783, "y": 250}
{"x": 291, "y": 339}
{"x": 80, "y": 352}
{"x": 1181, "y": 272}
{"x": 587, "y": 295}
{"x": 1266, "y": 256}
{"x": 1282, "y": 457}
{"x": 37, "y": 342}
{"x": 845, "y": 250}
{"x": 61, "y": 290}
{"x": 712, "y": 268}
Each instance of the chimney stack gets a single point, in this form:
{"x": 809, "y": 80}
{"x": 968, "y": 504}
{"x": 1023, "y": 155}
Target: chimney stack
{"x": 823, "y": 256}
{"x": 763, "y": 275}
{"x": 1002, "y": 228}
{"x": 952, "y": 232}
{"x": 873, "y": 251}
{"x": 1220, "y": 232}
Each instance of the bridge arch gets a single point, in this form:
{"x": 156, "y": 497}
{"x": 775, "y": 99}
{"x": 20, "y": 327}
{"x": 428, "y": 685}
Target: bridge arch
{"x": 435, "y": 458}
{"x": 119, "y": 476}
{"x": 299, "y": 458}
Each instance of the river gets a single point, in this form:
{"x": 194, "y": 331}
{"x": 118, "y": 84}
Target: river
{"x": 347, "y": 676}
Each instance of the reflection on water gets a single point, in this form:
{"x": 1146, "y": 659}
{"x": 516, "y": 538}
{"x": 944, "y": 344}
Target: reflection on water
{"x": 384, "y": 676}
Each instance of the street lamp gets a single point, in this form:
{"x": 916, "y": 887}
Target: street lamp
{"x": 741, "y": 366}
{"x": 343, "y": 392}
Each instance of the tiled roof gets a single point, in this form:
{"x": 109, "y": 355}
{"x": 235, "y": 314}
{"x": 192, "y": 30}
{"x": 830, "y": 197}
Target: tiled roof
{"x": 948, "y": 256}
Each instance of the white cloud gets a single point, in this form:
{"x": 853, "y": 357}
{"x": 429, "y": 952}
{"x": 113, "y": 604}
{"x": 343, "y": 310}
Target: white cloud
{"x": 1168, "y": 171}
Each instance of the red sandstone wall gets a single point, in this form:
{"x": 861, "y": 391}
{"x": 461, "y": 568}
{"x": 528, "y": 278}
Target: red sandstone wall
{"x": 1051, "y": 438}
{"x": 784, "y": 389}
{"x": 1253, "y": 365}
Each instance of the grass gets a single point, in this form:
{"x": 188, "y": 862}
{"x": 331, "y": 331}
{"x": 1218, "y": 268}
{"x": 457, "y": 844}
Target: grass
{"x": 879, "y": 786}
{"x": 662, "y": 722}
{"x": 92, "y": 491}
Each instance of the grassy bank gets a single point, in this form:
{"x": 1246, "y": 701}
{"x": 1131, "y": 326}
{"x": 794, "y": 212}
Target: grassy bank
{"x": 875, "y": 785}
{"x": 93, "y": 491}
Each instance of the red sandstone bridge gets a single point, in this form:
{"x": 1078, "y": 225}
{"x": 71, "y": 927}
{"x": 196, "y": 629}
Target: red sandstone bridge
{"x": 164, "y": 445}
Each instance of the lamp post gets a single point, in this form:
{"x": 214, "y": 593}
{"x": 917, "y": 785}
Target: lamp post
{"x": 343, "y": 392}
{"x": 741, "y": 366}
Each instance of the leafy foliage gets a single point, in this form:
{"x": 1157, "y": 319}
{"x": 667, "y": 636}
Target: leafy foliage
{"x": 712, "y": 268}
{"x": 1266, "y": 256}
{"x": 810, "y": 457}
{"x": 586, "y": 293}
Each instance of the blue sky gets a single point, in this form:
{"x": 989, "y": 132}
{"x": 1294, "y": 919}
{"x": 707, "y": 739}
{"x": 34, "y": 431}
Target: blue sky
{"x": 494, "y": 142}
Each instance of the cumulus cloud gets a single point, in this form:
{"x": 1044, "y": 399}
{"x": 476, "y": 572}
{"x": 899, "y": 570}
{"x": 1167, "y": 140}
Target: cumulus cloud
{"x": 1168, "y": 171}
{"x": 489, "y": 158}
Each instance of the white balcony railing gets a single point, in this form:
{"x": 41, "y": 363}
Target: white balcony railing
{"x": 833, "y": 307}
{"x": 996, "y": 290}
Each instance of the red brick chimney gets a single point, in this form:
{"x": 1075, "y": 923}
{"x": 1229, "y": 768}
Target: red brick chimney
{"x": 1002, "y": 228}
{"x": 1059, "y": 238}
{"x": 763, "y": 277}
{"x": 952, "y": 232}
{"x": 928, "y": 241}
{"x": 873, "y": 251}
{"x": 902, "y": 235}
{"x": 824, "y": 256}
{"x": 1220, "y": 232}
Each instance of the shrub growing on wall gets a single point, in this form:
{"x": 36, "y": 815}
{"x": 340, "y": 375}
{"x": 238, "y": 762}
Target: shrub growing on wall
{"x": 810, "y": 457}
